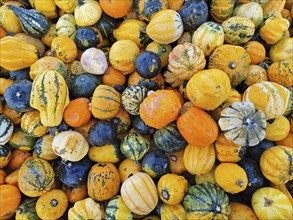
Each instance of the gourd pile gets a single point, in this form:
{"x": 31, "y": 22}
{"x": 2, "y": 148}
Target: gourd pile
{"x": 146, "y": 109}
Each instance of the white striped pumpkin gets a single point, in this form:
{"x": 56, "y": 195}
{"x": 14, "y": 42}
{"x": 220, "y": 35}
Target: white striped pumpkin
{"x": 208, "y": 37}
{"x": 251, "y": 10}
{"x": 70, "y": 145}
{"x": 199, "y": 160}
{"x": 269, "y": 97}
{"x": 139, "y": 193}
{"x": 6, "y": 130}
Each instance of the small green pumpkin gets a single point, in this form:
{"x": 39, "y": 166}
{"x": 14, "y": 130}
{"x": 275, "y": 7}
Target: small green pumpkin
{"x": 117, "y": 209}
{"x": 146, "y": 8}
{"x": 43, "y": 148}
{"x": 66, "y": 25}
{"x": 106, "y": 25}
{"x": 87, "y": 37}
{"x": 31, "y": 124}
{"x": 27, "y": 210}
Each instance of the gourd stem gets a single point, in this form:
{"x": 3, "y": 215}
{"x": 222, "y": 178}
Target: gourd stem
{"x": 80, "y": 2}
{"x": 54, "y": 202}
{"x": 232, "y": 65}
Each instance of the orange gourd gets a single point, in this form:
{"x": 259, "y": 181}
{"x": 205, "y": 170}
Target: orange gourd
{"x": 116, "y": 8}
{"x": 9, "y": 200}
{"x": 17, "y": 158}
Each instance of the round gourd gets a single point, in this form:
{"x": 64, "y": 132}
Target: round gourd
{"x": 113, "y": 77}
{"x": 278, "y": 130}
{"x": 27, "y": 210}
{"x": 14, "y": 116}
{"x": 185, "y": 60}
{"x": 256, "y": 51}
{"x": 17, "y": 96}
{"x": 127, "y": 168}
{"x": 132, "y": 97}
{"x": 169, "y": 139}
{"x": 106, "y": 24}
{"x": 6, "y": 129}
{"x": 256, "y": 151}
{"x": 162, "y": 50}
{"x": 208, "y": 37}
{"x": 122, "y": 121}
{"x": 172, "y": 188}
{"x": 35, "y": 177}
{"x": 201, "y": 131}
{"x": 172, "y": 211}
{"x": 102, "y": 133}
{"x": 116, "y": 209}
{"x": 155, "y": 163}
{"x": 255, "y": 74}
{"x": 50, "y": 35}
{"x": 64, "y": 48}
{"x": 70, "y": 145}
{"x": 43, "y": 148}
{"x": 252, "y": 11}
{"x": 275, "y": 98}
{"x": 176, "y": 162}
{"x": 116, "y": 8}
{"x": 10, "y": 198}
{"x": 122, "y": 55}
{"x": 238, "y": 120}
{"x": 206, "y": 201}
{"x": 139, "y": 126}
{"x": 87, "y": 12}
{"x": 73, "y": 174}
{"x": 31, "y": 40}
{"x": 148, "y": 64}
{"x": 18, "y": 157}
{"x": 134, "y": 146}
{"x": 139, "y": 193}
{"x": 275, "y": 164}
{"x": 31, "y": 124}
{"x": 94, "y": 61}
{"x": 85, "y": 209}
{"x": 208, "y": 89}
{"x": 50, "y": 96}
{"x": 66, "y": 25}
{"x": 166, "y": 19}
{"x": 52, "y": 204}
{"x": 103, "y": 181}
{"x": 282, "y": 50}
{"x": 154, "y": 83}
{"x": 221, "y": 10}
{"x": 270, "y": 203}
{"x": 233, "y": 60}
{"x": 86, "y": 38}
{"x": 241, "y": 211}
{"x": 22, "y": 141}
{"x": 105, "y": 102}
{"x": 199, "y": 160}
{"x": 145, "y": 9}
{"x": 77, "y": 88}
{"x": 162, "y": 113}
{"x": 75, "y": 194}
{"x": 231, "y": 177}
{"x": 280, "y": 72}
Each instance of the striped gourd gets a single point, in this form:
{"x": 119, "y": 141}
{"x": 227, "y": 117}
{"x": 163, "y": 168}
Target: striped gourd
{"x": 66, "y": 25}
{"x": 208, "y": 37}
{"x": 206, "y": 201}
{"x": 50, "y": 96}
{"x": 22, "y": 141}
{"x": 105, "y": 102}
{"x": 31, "y": 124}
{"x": 251, "y": 10}
{"x": 6, "y": 129}
{"x": 199, "y": 160}
{"x": 33, "y": 22}
{"x": 116, "y": 209}
{"x": 43, "y": 148}
{"x": 132, "y": 97}
{"x": 85, "y": 209}
{"x": 134, "y": 146}
{"x": 140, "y": 193}
{"x": 27, "y": 210}
{"x": 222, "y": 9}
{"x": 274, "y": 101}
{"x": 70, "y": 145}
{"x": 35, "y": 177}
{"x": 5, "y": 155}
{"x": 238, "y": 30}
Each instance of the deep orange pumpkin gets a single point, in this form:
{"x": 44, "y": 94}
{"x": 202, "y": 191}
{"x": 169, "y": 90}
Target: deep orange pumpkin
{"x": 116, "y": 8}
{"x": 17, "y": 158}
{"x": 197, "y": 127}
{"x": 9, "y": 200}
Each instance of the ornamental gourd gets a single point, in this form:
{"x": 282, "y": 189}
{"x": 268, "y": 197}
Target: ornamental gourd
{"x": 185, "y": 60}
{"x": 163, "y": 20}
{"x": 11, "y": 22}
{"x": 207, "y": 89}
{"x": 252, "y": 11}
{"x": 85, "y": 209}
{"x": 70, "y": 145}
{"x": 31, "y": 40}
{"x": 221, "y": 10}
{"x": 275, "y": 98}
{"x": 94, "y": 61}
{"x": 50, "y": 96}
{"x": 10, "y": 198}
{"x": 26, "y": 210}
{"x": 64, "y": 48}
{"x": 282, "y": 50}
{"x": 140, "y": 193}
{"x": 31, "y": 124}
{"x": 243, "y": 124}
{"x": 87, "y": 12}
{"x": 6, "y": 129}
{"x": 66, "y": 25}
{"x": 281, "y": 72}
{"x": 43, "y": 148}
{"x": 116, "y": 209}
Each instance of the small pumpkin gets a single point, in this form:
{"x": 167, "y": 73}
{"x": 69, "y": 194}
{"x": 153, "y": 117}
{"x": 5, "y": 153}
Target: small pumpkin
{"x": 87, "y": 12}
{"x": 117, "y": 209}
{"x": 75, "y": 194}
{"x": 85, "y": 209}
{"x": 5, "y": 156}
{"x": 122, "y": 121}
{"x": 172, "y": 211}
{"x": 35, "y": 177}
{"x": 268, "y": 202}
{"x": 50, "y": 35}
{"x": 252, "y": 11}
{"x": 255, "y": 74}
{"x": 146, "y": 9}
{"x": 222, "y": 10}
{"x": 102, "y": 133}
{"x": 22, "y": 141}
{"x": 113, "y": 77}
{"x": 87, "y": 37}
{"x": 231, "y": 177}
{"x": 286, "y": 141}
{"x": 278, "y": 130}
{"x": 154, "y": 83}
{"x": 281, "y": 72}
{"x": 127, "y": 168}
{"x": 5, "y": 83}
{"x": 140, "y": 193}
{"x": 67, "y": 6}
{"x": 172, "y": 188}
{"x": 8, "y": 202}
{"x": 241, "y": 133}
{"x": 176, "y": 162}
{"x": 116, "y": 8}
{"x": 64, "y": 48}
{"x": 162, "y": 50}
{"x": 275, "y": 164}
{"x": 94, "y": 61}
{"x": 70, "y": 145}
{"x": 14, "y": 116}
{"x": 148, "y": 64}
{"x": 206, "y": 200}
{"x": 12, "y": 178}
{"x": 103, "y": 181}
{"x": 31, "y": 40}
{"x": 202, "y": 135}
{"x": 66, "y": 25}
{"x": 185, "y": 60}
{"x": 273, "y": 6}
{"x": 164, "y": 112}
{"x": 140, "y": 127}
{"x": 256, "y": 51}
{"x": 233, "y": 60}
{"x": 241, "y": 211}
{"x": 17, "y": 158}
{"x": 7, "y": 128}
{"x": 166, "y": 19}
{"x": 26, "y": 210}
{"x": 31, "y": 124}
{"x": 105, "y": 24}
{"x": 43, "y": 148}
{"x": 282, "y": 50}
{"x": 208, "y": 94}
